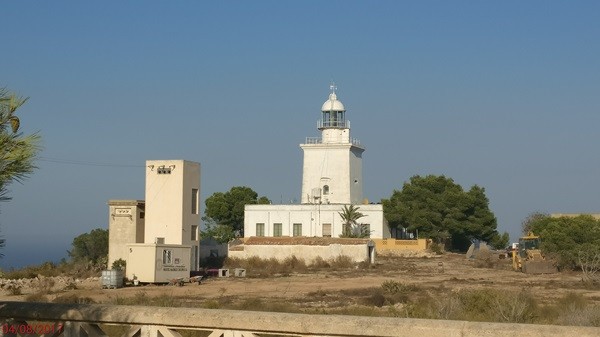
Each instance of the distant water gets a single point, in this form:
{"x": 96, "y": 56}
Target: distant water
{"x": 17, "y": 256}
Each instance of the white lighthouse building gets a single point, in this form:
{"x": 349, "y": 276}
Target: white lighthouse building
{"x": 331, "y": 179}
{"x": 332, "y": 172}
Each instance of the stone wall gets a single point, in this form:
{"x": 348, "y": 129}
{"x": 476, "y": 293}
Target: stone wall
{"x": 357, "y": 253}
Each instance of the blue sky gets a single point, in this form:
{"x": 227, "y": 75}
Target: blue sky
{"x": 505, "y": 95}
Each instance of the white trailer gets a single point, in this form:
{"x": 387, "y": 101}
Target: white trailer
{"x": 157, "y": 263}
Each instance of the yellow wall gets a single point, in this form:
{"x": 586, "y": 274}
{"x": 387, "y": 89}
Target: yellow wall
{"x": 392, "y": 244}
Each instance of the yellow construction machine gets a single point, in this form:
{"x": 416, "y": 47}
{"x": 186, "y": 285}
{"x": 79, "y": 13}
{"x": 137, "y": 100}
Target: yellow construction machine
{"x": 528, "y": 258}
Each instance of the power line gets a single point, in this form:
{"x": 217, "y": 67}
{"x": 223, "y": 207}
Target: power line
{"x": 83, "y": 163}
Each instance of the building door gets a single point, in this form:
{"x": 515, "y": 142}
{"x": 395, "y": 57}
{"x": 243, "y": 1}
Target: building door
{"x": 326, "y": 230}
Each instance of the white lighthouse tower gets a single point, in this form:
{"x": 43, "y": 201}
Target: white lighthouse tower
{"x": 332, "y": 171}
{"x": 331, "y": 180}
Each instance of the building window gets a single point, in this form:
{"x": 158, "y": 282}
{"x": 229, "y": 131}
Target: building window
{"x": 167, "y": 256}
{"x": 260, "y": 229}
{"x": 277, "y": 229}
{"x": 194, "y": 201}
{"x": 194, "y": 233}
{"x": 142, "y": 215}
{"x": 326, "y": 230}
{"x": 297, "y": 229}
{"x": 325, "y": 189}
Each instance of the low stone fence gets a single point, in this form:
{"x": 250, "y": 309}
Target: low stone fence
{"x": 386, "y": 245}
{"x": 305, "y": 248}
{"x": 79, "y": 320}
{"x": 357, "y": 253}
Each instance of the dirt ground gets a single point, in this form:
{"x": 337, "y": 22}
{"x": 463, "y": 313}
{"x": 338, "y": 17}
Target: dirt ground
{"x": 438, "y": 275}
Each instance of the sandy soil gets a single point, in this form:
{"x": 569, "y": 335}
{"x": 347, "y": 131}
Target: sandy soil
{"x": 450, "y": 272}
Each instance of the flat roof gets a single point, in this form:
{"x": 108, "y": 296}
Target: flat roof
{"x": 126, "y": 202}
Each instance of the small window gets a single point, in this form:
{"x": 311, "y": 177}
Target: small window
{"x": 260, "y": 229}
{"x": 194, "y": 233}
{"x": 142, "y": 215}
{"x": 277, "y": 229}
{"x": 194, "y": 201}
{"x": 297, "y": 229}
{"x": 167, "y": 256}
{"x": 325, "y": 189}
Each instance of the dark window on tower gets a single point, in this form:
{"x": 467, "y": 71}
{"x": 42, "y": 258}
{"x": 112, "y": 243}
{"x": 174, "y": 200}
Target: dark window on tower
{"x": 194, "y": 201}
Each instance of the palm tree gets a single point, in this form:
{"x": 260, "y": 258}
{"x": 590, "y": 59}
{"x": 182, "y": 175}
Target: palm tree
{"x": 351, "y": 228}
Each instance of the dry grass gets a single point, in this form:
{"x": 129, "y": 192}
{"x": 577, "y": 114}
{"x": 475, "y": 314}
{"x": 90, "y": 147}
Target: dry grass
{"x": 409, "y": 288}
{"x": 257, "y": 267}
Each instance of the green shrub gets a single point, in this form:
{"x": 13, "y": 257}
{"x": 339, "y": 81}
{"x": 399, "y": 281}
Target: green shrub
{"x": 586, "y": 316}
{"x": 44, "y": 285}
{"x": 436, "y": 248}
{"x": 394, "y": 287}
{"x": 142, "y": 298}
{"x": 376, "y": 299}
{"x": 215, "y": 262}
{"x": 72, "y": 298}
{"x": 257, "y": 304}
{"x": 397, "y": 292}
{"x": 486, "y": 259}
{"x": 211, "y": 304}
{"x": 515, "y": 307}
{"x": 119, "y": 264}
{"x": 568, "y": 239}
{"x": 573, "y": 309}
{"x": 341, "y": 262}
{"x": 319, "y": 263}
{"x": 14, "y": 290}
{"x": 36, "y": 297}
{"x": 318, "y": 293}
{"x": 294, "y": 264}
{"x": 356, "y": 310}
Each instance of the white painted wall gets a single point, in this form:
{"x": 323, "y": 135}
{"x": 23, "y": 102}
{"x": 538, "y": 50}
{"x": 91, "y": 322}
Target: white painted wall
{"x": 357, "y": 253}
{"x": 312, "y": 218}
{"x": 335, "y": 165}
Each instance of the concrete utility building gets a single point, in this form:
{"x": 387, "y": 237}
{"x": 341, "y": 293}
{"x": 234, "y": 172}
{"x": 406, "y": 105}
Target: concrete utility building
{"x": 331, "y": 179}
{"x": 125, "y": 226}
{"x": 159, "y": 237}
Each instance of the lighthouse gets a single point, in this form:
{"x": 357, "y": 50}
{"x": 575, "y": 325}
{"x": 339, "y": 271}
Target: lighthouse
{"x": 331, "y": 180}
{"x": 332, "y": 168}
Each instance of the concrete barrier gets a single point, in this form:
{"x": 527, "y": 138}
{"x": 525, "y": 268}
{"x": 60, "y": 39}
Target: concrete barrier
{"x": 248, "y": 322}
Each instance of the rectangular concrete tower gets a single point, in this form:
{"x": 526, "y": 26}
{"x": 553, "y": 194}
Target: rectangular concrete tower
{"x": 173, "y": 204}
